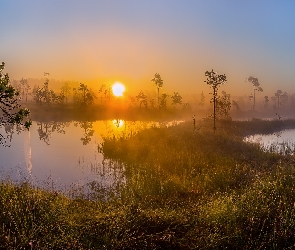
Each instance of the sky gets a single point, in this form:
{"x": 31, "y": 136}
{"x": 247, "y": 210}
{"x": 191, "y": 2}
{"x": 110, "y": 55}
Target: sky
{"x": 103, "y": 41}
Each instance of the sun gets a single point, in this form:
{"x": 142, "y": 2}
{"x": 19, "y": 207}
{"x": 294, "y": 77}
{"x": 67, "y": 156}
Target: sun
{"x": 118, "y": 89}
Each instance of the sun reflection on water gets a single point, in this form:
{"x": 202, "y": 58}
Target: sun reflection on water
{"x": 118, "y": 123}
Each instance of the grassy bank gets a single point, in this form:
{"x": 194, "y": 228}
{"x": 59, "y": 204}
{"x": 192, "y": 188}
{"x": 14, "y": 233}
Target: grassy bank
{"x": 185, "y": 189}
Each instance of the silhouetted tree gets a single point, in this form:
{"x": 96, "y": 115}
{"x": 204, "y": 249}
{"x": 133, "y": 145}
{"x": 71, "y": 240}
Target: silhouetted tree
{"x": 256, "y": 87}
{"x": 202, "y": 100}
{"x": 10, "y": 109}
{"x": 105, "y": 92}
{"x": 159, "y": 84}
{"x": 44, "y": 95}
{"x": 176, "y": 99}
{"x": 284, "y": 100}
{"x": 152, "y": 103}
{"x": 84, "y": 95}
{"x": 292, "y": 101}
{"x": 142, "y": 99}
{"x": 223, "y": 105}
{"x": 37, "y": 94}
{"x": 25, "y": 88}
{"x": 163, "y": 101}
{"x": 132, "y": 101}
{"x": 266, "y": 102}
{"x": 65, "y": 92}
{"x": 236, "y": 106}
{"x": 280, "y": 98}
{"x": 214, "y": 81}
{"x": 186, "y": 106}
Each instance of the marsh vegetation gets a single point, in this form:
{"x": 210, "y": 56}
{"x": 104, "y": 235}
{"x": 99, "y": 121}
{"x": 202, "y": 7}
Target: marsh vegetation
{"x": 184, "y": 189}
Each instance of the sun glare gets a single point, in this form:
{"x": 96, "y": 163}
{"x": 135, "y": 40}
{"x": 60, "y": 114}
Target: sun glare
{"x": 118, "y": 89}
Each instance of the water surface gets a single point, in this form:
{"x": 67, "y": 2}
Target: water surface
{"x": 64, "y": 156}
{"x": 282, "y": 142}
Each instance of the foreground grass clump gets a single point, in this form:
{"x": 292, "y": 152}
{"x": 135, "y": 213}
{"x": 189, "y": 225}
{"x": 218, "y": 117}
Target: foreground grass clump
{"x": 258, "y": 217}
{"x": 35, "y": 219}
{"x": 185, "y": 189}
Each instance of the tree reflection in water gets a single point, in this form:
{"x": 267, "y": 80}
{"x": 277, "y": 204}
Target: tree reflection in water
{"x": 87, "y": 131}
{"x": 9, "y": 129}
{"x": 45, "y": 129}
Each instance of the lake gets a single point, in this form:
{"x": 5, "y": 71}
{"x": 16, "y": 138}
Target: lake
{"x": 64, "y": 156}
{"x": 282, "y": 142}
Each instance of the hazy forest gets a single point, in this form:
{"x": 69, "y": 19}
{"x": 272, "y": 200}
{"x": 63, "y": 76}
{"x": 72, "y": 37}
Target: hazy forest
{"x": 68, "y": 96}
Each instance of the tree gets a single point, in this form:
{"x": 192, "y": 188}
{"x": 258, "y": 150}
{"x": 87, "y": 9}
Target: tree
{"x": 236, "y": 106}
{"x": 132, "y": 101}
{"x": 65, "y": 91}
{"x": 202, "y": 100}
{"x": 25, "y": 87}
{"x": 163, "y": 101}
{"x": 152, "y": 103}
{"x": 266, "y": 102}
{"x": 37, "y": 94}
{"x": 256, "y": 87}
{"x": 84, "y": 96}
{"x": 10, "y": 109}
{"x": 284, "y": 100}
{"x": 280, "y": 98}
{"x": 214, "y": 81}
{"x": 44, "y": 95}
{"x": 186, "y": 106}
{"x": 105, "y": 90}
{"x": 223, "y": 105}
{"x": 159, "y": 84}
{"x": 142, "y": 99}
{"x": 176, "y": 99}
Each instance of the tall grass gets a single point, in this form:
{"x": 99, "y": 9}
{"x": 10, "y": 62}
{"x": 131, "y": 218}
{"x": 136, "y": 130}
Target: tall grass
{"x": 160, "y": 160}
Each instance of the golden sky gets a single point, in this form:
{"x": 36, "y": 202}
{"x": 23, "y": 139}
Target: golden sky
{"x": 101, "y": 42}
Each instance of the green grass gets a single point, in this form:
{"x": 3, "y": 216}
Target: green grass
{"x": 185, "y": 189}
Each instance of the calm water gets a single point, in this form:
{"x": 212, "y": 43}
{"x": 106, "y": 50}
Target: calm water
{"x": 64, "y": 156}
{"x": 280, "y": 142}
